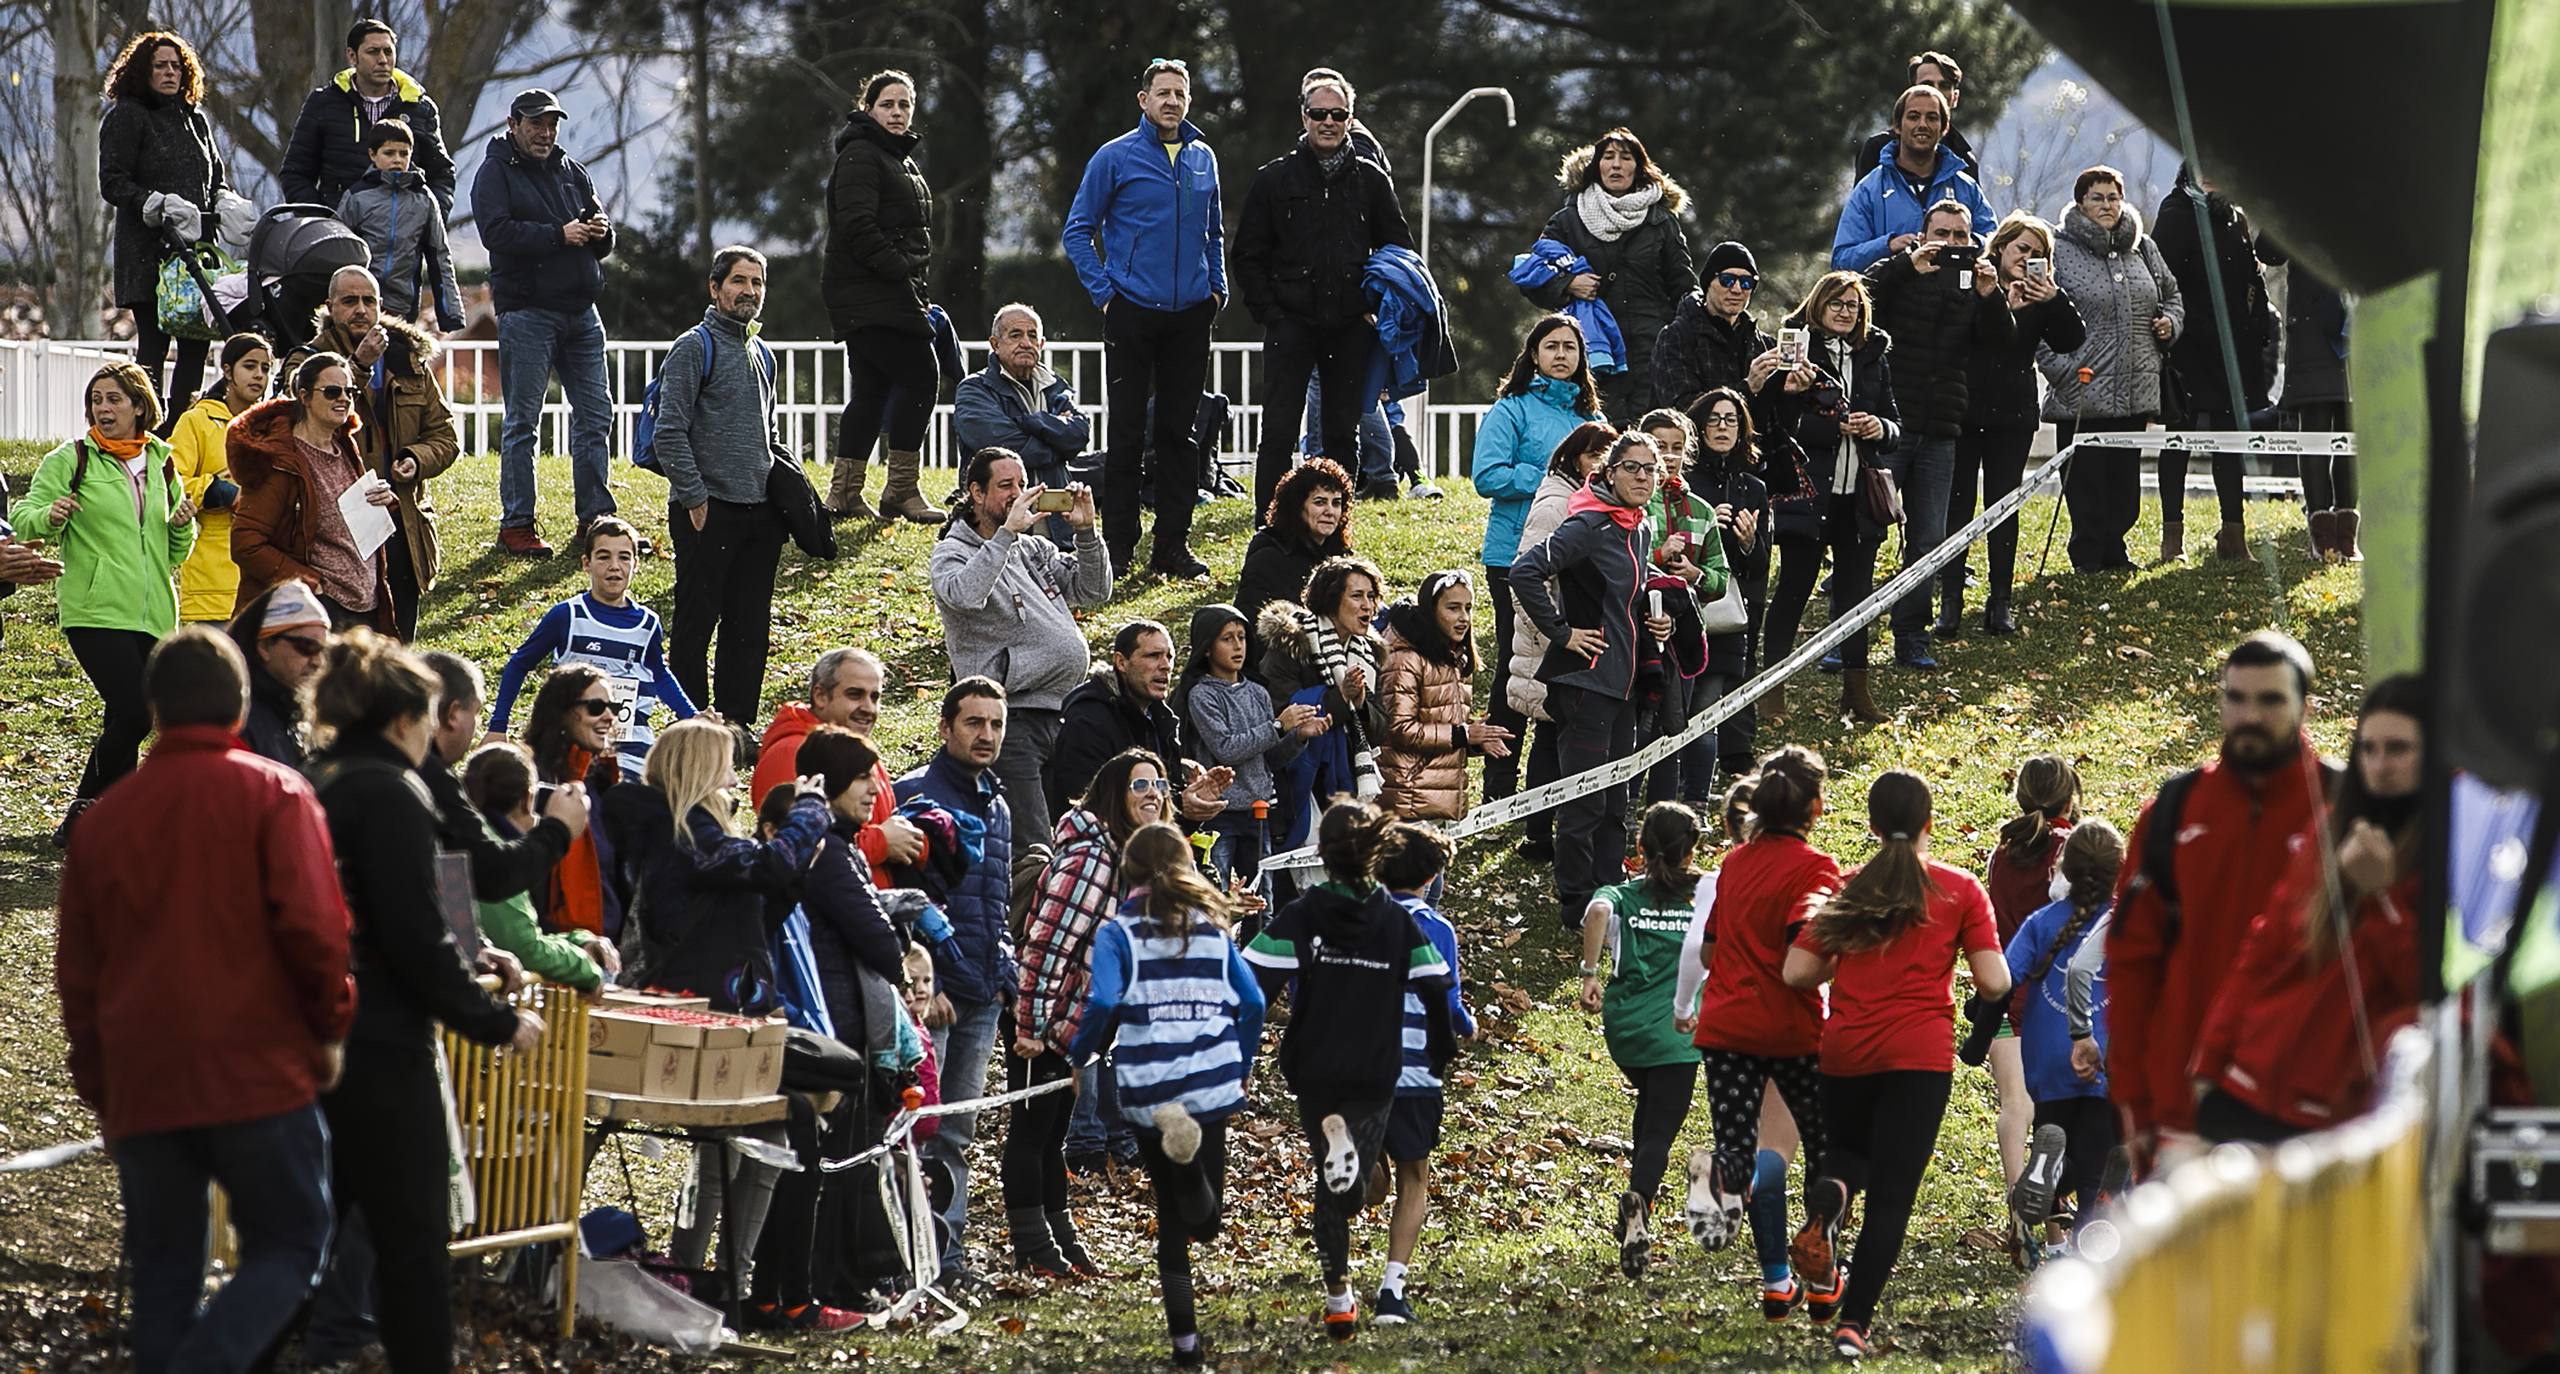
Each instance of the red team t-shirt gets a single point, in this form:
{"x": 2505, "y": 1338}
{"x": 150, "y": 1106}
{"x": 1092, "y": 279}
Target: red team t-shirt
{"x": 1893, "y": 1009}
{"x": 1763, "y": 891}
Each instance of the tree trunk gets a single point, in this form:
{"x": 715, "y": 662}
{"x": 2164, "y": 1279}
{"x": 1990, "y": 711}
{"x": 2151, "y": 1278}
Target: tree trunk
{"x": 78, "y": 286}
{"x": 962, "y": 150}
{"x": 698, "y": 107}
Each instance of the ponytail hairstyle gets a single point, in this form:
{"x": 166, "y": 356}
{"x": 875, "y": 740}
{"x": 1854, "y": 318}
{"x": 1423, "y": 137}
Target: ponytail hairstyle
{"x": 1739, "y": 823}
{"x": 369, "y": 684}
{"x": 1157, "y": 861}
{"x": 2048, "y": 793}
{"x": 2091, "y": 859}
{"x": 978, "y": 474}
{"x": 1891, "y": 894}
{"x": 1785, "y": 792}
{"x": 1669, "y": 842}
{"x": 1349, "y": 839}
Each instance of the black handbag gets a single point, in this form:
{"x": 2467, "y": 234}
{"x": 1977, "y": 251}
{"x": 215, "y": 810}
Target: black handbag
{"x": 787, "y": 487}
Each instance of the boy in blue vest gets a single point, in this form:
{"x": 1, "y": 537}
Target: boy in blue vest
{"x": 1348, "y": 953}
{"x": 1416, "y": 856}
{"x": 605, "y": 627}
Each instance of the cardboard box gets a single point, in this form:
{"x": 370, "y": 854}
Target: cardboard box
{"x": 763, "y": 1068}
{"x": 620, "y": 1035}
{"x": 621, "y": 1074}
{"x": 640, "y": 1055}
{"x": 720, "y": 1037}
{"x": 626, "y": 997}
{"x": 721, "y": 1074}
{"x": 671, "y": 1070}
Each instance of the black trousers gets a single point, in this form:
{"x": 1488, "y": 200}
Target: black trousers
{"x": 2090, "y": 1129}
{"x": 786, "y": 1247}
{"x": 2102, "y": 488}
{"x": 1591, "y": 830}
{"x": 1997, "y": 462}
{"x": 2222, "y": 1119}
{"x": 1880, "y": 1130}
{"x": 113, "y": 661}
{"x": 724, "y": 583}
{"x": 404, "y": 579}
{"x": 151, "y": 349}
{"x": 890, "y": 379}
{"x": 2328, "y": 479}
{"x": 1163, "y": 355}
{"x": 1035, "y": 1141}
{"x": 1663, "y": 1094}
{"x": 2228, "y": 474}
{"x": 1541, "y": 770}
{"x": 1291, "y": 353}
{"x": 1853, "y": 575}
{"x": 1501, "y": 776}
{"x": 1172, "y": 1183}
{"x": 387, "y": 1145}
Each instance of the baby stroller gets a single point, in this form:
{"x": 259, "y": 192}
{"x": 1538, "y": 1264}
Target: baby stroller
{"x": 293, "y": 252}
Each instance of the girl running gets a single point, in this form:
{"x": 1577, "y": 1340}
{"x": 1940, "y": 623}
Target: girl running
{"x": 2020, "y": 881}
{"x": 2039, "y": 959}
{"x": 1643, "y": 926}
{"x": 1886, "y": 943}
{"x": 1187, "y": 1014}
{"x": 1752, "y": 1028}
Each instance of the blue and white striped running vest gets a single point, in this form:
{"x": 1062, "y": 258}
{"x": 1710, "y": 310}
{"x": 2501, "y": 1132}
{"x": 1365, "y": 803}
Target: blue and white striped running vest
{"x": 624, "y": 657}
{"x": 1178, "y": 1040}
{"x": 1415, "y": 1078}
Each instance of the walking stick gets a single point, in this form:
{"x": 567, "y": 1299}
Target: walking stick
{"x": 2086, "y": 376}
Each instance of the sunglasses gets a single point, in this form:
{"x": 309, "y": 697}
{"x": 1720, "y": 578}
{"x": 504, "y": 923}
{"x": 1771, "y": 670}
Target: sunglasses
{"x": 600, "y": 706}
{"x": 305, "y": 645}
{"x": 1167, "y": 64}
{"x": 333, "y": 393}
{"x": 1164, "y": 785}
{"x": 1737, "y": 281}
{"x": 1328, "y": 116}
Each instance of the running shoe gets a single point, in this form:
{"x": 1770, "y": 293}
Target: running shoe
{"x": 2031, "y": 1197}
{"x": 1715, "y": 1210}
{"x": 1815, "y": 1250}
{"x": 1390, "y": 1309}
{"x": 1341, "y": 1161}
{"x": 808, "y": 1316}
{"x": 1635, "y": 1245}
{"x": 1779, "y": 1301}
{"x": 1849, "y": 1342}
{"x": 1345, "y": 1324}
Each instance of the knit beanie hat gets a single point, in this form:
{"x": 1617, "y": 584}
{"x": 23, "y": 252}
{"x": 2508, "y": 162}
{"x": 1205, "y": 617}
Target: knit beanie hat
{"x": 292, "y": 606}
{"x": 1729, "y": 255}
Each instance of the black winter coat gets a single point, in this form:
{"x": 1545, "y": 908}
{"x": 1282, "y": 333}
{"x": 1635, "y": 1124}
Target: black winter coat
{"x": 1643, "y": 274}
{"x": 1098, "y": 720}
{"x": 1696, "y": 353}
{"x": 702, "y": 921}
{"x": 847, "y": 926}
{"x": 273, "y": 728}
{"x": 500, "y": 868}
{"x": 1800, "y": 496}
{"x": 2315, "y": 333}
{"x": 2197, "y": 354}
{"x": 148, "y": 144}
{"x": 1276, "y": 564}
{"x": 327, "y": 154}
{"x": 1303, "y": 242}
{"x": 521, "y": 206}
{"x": 1737, "y": 481}
{"x": 1599, "y": 568}
{"x": 1937, "y": 323}
{"x": 879, "y": 232}
{"x": 409, "y": 972}
{"x": 2002, "y": 380}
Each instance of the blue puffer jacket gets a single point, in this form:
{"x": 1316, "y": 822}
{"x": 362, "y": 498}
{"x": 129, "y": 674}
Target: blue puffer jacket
{"x": 1148, "y": 228}
{"x": 1413, "y": 322}
{"x": 1880, "y": 206}
{"x": 975, "y": 966}
{"x": 1513, "y": 444}
{"x": 521, "y": 206}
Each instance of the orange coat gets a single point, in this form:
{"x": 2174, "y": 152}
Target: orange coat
{"x": 277, "y": 518}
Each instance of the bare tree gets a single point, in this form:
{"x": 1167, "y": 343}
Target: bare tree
{"x": 78, "y": 281}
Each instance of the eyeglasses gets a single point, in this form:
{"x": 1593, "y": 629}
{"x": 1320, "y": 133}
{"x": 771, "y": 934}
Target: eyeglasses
{"x": 333, "y": 393}
{"x": 1641, "y": 469}
{"x": 1843, "y": 306}
{"x": 1737, "y": 281}
{"x": 1722, "y": 422}
{"x": 1145, "y": 785}
{"x": 305, "y": 645}
{"x": 1327, "y": 115}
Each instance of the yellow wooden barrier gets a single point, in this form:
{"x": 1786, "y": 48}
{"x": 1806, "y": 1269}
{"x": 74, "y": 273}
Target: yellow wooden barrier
{"x": 2301, "y": 1260}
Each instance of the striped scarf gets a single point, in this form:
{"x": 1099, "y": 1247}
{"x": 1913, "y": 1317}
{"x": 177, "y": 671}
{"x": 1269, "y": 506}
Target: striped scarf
{"x": 1333, "y": 659}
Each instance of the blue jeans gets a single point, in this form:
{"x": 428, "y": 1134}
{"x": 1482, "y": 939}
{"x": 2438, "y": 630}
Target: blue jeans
{"x": 276, "y": 1171}
{"x": 1097, "y": 1124}
{"x": 1928, "y": 483}
{"x": 1239, "y": 846}
{"x": 532, "y": 345}
{"x": 1698, "y": 760}
{"x": 1377, "y": 445}
{"x": 962, "y": 1051}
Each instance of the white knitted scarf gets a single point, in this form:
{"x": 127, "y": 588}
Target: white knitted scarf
{"x": 1609, "y": 217}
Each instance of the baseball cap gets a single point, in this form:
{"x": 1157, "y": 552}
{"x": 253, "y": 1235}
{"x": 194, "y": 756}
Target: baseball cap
{"x": 533, "y": 104}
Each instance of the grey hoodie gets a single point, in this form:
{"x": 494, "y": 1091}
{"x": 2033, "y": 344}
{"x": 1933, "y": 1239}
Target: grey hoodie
{"x": 1005, "y": 608}
{"x": 403, "y": 223}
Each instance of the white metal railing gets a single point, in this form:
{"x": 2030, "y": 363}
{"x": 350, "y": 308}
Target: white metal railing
{"x": 41, "y": 380}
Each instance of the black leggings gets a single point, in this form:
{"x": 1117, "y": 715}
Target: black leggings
{"x": 151, "y": 348}
{"x": 1736, "y": 1085}
{"x": 113, "y": 660}
{"x": 1883, "y": 1128}
{"x": 1171, "y": 1182}
{"x": 1997, "y": 462}
{"x": 890, "y": 378}
{"x": 1367, "y": 1120}
{"x": 1663, "y": 1092}
{"x": 1035, "y": 1144}
{"x": 2328, "y": 479}
{"x": 2090, "y": 1130}
{"x": 1853, "y": 575}
{"x": 785, "y": 1247}
{"x": 2228, "y": 473}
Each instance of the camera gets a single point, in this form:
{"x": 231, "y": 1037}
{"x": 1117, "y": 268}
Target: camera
{"x": 1792, "y": 344}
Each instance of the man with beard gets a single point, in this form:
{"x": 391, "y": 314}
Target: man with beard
{"x": 1122, "y": 706}
{"x": 2179, "y": 924}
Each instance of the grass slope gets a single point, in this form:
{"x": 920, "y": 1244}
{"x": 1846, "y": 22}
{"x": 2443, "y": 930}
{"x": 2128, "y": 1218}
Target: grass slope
{"x": 1516, "y": 1269}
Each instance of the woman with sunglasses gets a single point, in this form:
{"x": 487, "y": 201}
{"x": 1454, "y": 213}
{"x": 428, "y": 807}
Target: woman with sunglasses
{"x": 284, "y": 635}
{"x": 570, "y": 730}
{"x": 1079, "y": 891}
{"x": 295, "y": 459}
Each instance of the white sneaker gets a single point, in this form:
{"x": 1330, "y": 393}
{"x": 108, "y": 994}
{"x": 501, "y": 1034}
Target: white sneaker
{"x": 1341, "y": 1161}
{"x": 1715, "y": 1211}
{"x": 1181, "y": 1134}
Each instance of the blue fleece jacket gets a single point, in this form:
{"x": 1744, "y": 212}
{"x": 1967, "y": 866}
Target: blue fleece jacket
{"x": 2044, "y": 1030}
{"x": 1148, "y": 228}
{"x": 1513, "y": 443}
{"x": 1881, "y": 206}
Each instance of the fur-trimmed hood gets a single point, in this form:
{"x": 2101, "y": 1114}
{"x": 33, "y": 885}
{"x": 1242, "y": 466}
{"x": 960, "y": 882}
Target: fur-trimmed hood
{"x": 1675, "y": 198}
{"x": 1279, "y": 624}
{"x": 261, "y": 440}
{"x": 422, "y": 346}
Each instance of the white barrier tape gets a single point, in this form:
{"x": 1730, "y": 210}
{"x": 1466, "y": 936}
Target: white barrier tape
{"x": 904, "y": 1123}
{"x": 1878, "y": 603}
{"x": 2227, "y": 441}
{"x": 51, "y": 1156}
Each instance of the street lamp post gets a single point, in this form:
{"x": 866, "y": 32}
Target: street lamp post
{"x": 1510, "y": 119}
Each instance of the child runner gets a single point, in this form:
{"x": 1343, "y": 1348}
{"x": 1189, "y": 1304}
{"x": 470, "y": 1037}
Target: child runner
{"x": 602, "y": 626}
{"x": 1754, "y": 1030}
{"x": 1887, "y": 943}
{"x": 2039, "y": 959}
{"x": 2019, "y": 880}
{"x": 1187, "y": 1014}
{"x": 1348, "y": 950}
{"x": 1644, "y": 926}
{"x": 1416, "y": 856}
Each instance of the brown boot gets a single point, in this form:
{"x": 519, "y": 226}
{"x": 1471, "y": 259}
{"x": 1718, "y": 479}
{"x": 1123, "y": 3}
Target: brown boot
{"x": 2324, "y": 535}
{"x": 902, "y": 498}
{"x": 2231, "y": 542}
{"x": 1771, "y": 708}
{"x": 844, "y": 491}
{"x": 1854, "y": 700}
{"x": 2348, "y": 524}
{"x": 2173, "y": 540}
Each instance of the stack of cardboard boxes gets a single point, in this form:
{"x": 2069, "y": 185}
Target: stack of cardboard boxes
{"x": 674, "y": 1047}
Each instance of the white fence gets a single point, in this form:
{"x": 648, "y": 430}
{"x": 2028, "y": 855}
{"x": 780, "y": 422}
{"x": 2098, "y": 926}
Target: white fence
{"x": 41, "y": 380}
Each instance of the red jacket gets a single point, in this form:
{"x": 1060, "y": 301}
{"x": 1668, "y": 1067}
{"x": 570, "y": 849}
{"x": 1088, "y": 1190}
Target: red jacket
{"x": 777, "y": 765}
{"x": 2282, "y": 1035}
{"x": 1765, "y": 892}
{"x": 201, "y": 988}
{"x": 2235, "y": 843}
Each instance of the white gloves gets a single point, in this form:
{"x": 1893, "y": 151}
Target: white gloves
{"x": 235, "y": 217}
{"x": 178, "y": 215}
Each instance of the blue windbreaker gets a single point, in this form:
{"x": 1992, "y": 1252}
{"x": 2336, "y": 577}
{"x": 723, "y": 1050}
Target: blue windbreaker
{"x": 1880, "y": 207}
{"x": 1148, "y": 228}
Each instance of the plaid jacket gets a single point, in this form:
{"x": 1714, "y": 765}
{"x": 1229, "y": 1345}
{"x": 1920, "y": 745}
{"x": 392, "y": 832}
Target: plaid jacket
{"x": 1077, "y": 894}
